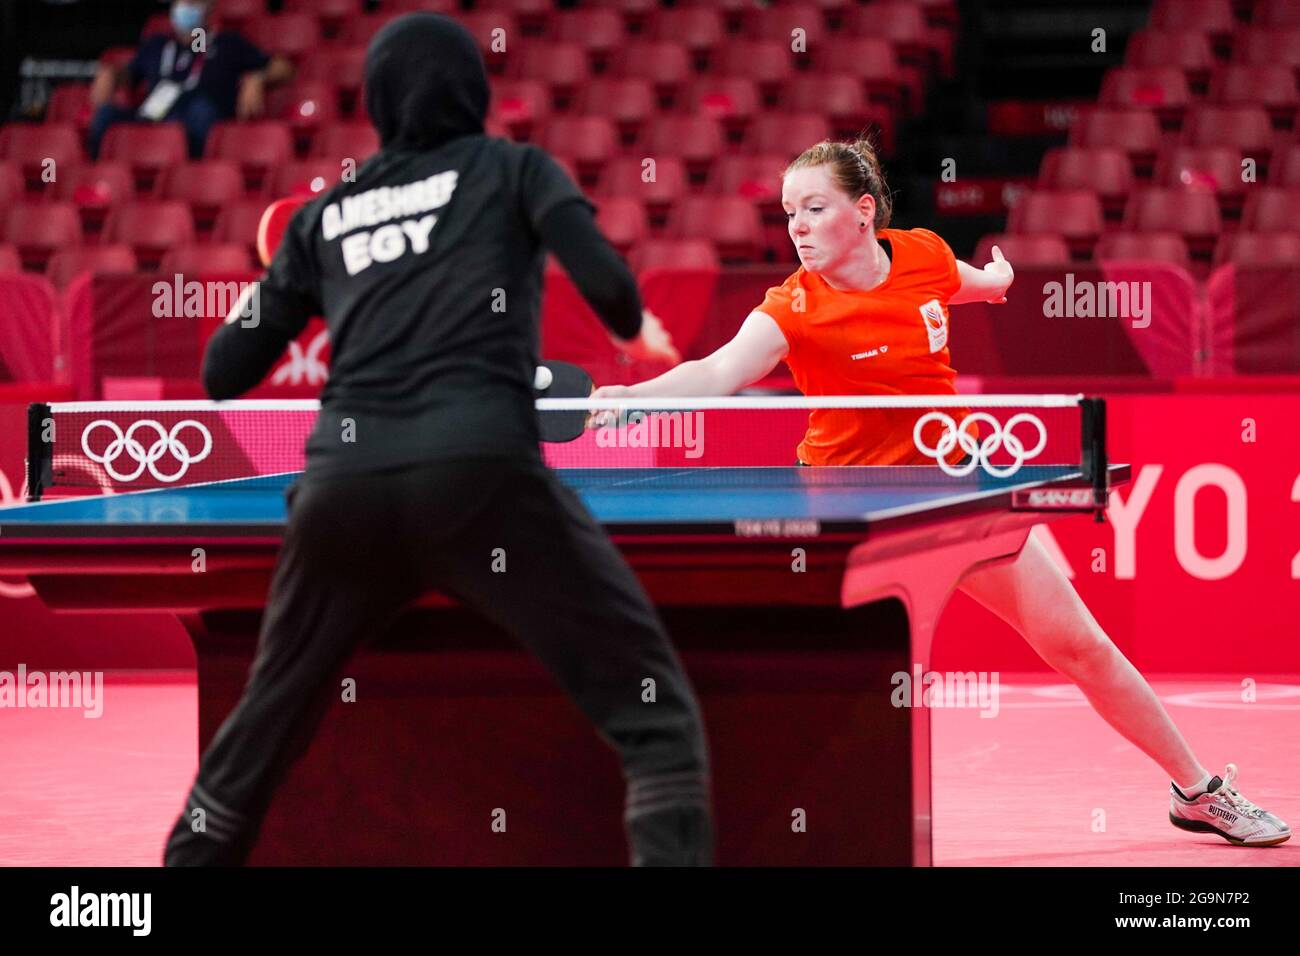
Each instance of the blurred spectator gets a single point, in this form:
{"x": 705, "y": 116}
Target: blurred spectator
{"x": 196, "y": 76}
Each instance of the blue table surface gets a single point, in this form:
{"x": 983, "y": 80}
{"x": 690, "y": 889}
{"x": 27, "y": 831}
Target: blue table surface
{"x": 615, "y": 496}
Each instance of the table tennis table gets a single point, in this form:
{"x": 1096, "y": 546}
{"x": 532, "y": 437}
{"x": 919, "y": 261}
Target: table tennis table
{"x": 793, "y": 667}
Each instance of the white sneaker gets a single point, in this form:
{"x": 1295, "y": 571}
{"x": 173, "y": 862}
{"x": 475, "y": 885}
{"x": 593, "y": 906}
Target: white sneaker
{"x": 1222, "y": 810}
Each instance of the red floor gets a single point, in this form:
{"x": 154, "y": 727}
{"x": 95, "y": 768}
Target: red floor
{"x": 1023, "y": 788}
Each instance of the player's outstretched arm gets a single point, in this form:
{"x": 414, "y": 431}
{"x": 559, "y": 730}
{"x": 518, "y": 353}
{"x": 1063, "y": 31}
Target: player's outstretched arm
{"x": 241, "y": 353}
{"x": 989, "y": 284}
{"x": 752, "y": 354}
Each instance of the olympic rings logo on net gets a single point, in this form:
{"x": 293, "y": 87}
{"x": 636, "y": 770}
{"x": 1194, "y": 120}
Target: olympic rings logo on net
{"x": 979, "y": 451}
{"x": 165, "y": 442}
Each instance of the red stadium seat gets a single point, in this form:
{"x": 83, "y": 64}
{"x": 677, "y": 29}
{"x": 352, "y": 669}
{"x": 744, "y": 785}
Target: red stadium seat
{"x": 490, "y": 26}
{"x": 39, "y": 230}
{"x": 768, "y": 63}
{"x": 32, "y": 146}
{"x": 588, "y": 141}
{"x": 635, "y": 13}
{"x": 534, "y": 16}
{"x": 150, "y": 227}
{"x": 733, "y": 11}
{"x": 786, "y": 134}
{"x": 623, "y": 221}
{"x": 292, "y": 35}
{"x": 146, "y": 147}
{"x": 756, "y": 178}
{"x": 1214, "y": 168}
{"x": 205, "y": 185}
{"x": 66, "y": 264}
{"x": 699, "y": 29}
{"x": 1285, "y": 167}
{"x": 1105, "y": 170}
{"x": 630, "y": 103}
{"x": 69, "y": 103}
{"x": 213, "y": 258}
{"x": 1075, "y": 214}
{"x": 626, "y": 176}
{"x": 238, "y": 14}
{"x": 344, "y": 67}
{"x": 357, "y": 31}
{"x": 1135, "y": 131}
{"x": 1265, "y": 46}
{"x": 1193, "y": 215}
{"x": 1208, "y": 16}
{"x": 904, "y": 26}
{"x": 1277, "y": 13}
{"x": 521, "y": 104}
{"x": 13, "y": 188}
{"x": 1270, "y": 86}
{"x": 733, "y": 101}
{"x": 1137, "y": 246}
{"x": 10, "y": 261}
{"x": 238, "y": 223}
{"x": 599, "y": 32}
{"x": 780, "y": 22}
{"x": 158, "y": 24}
{"x": 305, "y": 105}
{"x": 673, "y": 254}
{"x": 357, "y": 140}
{"x": 1246, "y": 128}
{"x": 730, "y": 222}
{"x": 561, "y": 66}
{"x": 1272, "y": 209}
{"x": 95, "y": 188}
{"x": 665, "y": 64}
{"x": 331, "y": 14}
{"x": 1038, "y": 250}
{"x": 839, "y": 97}
{"x": 1259, "y": 249}
{"x": 449, "y": 7}
{"x": 696, "y": 140}
{"x": 872, "y": 60}
{"x": 305, "y": 177}
{"x": 1162, "y": 88}
{"x": 256, "y": 146}
{"x": 1189, "y": 50}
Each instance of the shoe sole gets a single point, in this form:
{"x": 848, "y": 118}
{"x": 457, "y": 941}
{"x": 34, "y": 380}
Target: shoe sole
{"x": 1196, "y": 826}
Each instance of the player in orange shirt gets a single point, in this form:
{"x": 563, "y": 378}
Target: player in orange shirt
{"x": 867, "y": 314}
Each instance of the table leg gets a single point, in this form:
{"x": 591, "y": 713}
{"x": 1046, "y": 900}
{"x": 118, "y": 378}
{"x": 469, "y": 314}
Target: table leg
{"x": 887, "y": 568}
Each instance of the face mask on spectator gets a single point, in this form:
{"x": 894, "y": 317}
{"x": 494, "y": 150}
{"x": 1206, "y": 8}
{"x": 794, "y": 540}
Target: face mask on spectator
{"x": 187, "y": 16}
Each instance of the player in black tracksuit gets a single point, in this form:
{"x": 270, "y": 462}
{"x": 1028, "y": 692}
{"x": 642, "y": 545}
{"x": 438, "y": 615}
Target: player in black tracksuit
{"x": 428, "y": 271}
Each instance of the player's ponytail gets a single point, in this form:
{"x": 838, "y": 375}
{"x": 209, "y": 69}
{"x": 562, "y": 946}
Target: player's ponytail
{"x": 855, "y": 167}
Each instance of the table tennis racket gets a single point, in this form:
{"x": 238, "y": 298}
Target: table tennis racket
{"x": 275, "y": 220}
{"x": 567, "y": 381}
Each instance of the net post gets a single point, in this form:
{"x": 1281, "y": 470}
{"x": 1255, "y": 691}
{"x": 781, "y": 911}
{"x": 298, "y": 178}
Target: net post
{"x": 1094, "y": 464}
{"x": 40, "y": 453}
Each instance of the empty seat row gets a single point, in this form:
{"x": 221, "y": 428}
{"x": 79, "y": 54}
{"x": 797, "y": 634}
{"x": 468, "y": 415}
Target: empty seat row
{"x": 1047, "y": 249}
{"x": 1078, "y": 215}
{"x": 219, "y": 258}
{"x": 298, "y": 33}
{"x": 151, "y": 227}
{"x": 150, "y": 147}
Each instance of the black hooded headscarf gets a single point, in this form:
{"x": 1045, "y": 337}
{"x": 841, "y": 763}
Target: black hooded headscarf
{"x": 425, "y": 82}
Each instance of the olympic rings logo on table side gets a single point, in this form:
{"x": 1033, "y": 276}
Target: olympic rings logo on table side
{"x": 1000, "y": 436}
{"x": 167, "y": 441}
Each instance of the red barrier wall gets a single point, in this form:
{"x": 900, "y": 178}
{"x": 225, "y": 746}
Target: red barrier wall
{"x": 1199, "y": 566}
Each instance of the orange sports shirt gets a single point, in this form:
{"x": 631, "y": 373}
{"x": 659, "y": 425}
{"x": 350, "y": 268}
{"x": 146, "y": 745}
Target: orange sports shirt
{"x": 892, "y": 340}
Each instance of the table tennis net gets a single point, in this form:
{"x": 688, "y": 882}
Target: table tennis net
{"x": 89, "y": 447}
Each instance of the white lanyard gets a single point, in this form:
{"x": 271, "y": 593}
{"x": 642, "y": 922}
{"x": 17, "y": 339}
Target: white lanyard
{"x": 170, "y": 60}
